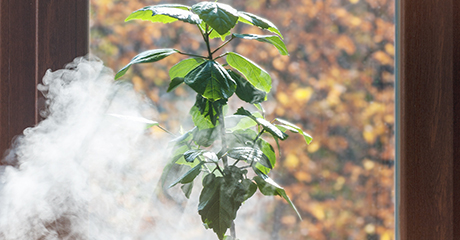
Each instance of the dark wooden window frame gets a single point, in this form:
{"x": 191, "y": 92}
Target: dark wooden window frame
{"x": 40, "y": 34}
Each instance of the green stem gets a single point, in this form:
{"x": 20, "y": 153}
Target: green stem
{"x": 225, "y": 43}
{"x": 258, "y": 136}
{"x": 192, "y": 55}
{"x": 222, "y": 135}
{"x": 207, "y": 43}
{"x": 166, "y": 130}
{"x": 222, "y": 55}
{"x": 232, "y": 230}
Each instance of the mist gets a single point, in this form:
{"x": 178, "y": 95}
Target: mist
{"x": 84, "y": 173}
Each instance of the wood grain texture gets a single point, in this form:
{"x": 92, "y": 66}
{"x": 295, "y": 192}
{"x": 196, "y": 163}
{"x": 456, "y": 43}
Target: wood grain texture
{"x": 456, "y": 88}
{"x": 427, "y": 120}
{"x": 17, "y": 76}
{"x": 36, "y": 35}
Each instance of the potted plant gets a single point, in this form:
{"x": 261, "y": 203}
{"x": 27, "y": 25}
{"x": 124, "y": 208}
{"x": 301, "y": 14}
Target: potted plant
{"x": 229, "y": 151}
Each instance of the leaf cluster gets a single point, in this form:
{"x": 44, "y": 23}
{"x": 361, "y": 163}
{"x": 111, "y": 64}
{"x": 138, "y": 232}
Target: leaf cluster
{"x": 226, "y": 184}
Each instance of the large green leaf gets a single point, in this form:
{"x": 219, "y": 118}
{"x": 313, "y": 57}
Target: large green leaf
{"x": 241, "y": 138}
{"x": 250, "y": 155}
{"x": 250, "y": 187}
{"x": 221, "y": 17}
{"x": 272, "y": 129}
{"x": 183, "y": 67}
{"x": 165, "y": 13}
{"x": 253, "y": 73}
{"x": 205, "y": 137}
{"x": 205, "y": 113}
{"x": 220, "y": 199}
{"x": 285, "y": 125}
{"x": 175, "y": 83}
{"x": 268, "y": 187}
{"x": 272, "y": 39}
{"x": 146, "y": 57}
{"x": 211, "y": 80}
{"x": 178, "y": 71}
{"x": 239, "y": 122}
{"x": 269, "y": 152}
{"x": 246, "y": 91}
{"x": 189, "y": 176}
{"x": 257, "y": 21}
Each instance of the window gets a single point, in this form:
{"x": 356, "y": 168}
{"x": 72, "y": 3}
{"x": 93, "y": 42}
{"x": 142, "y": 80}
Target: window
{"x": 428, "y": 107}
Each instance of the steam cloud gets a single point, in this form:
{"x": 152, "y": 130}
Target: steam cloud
{"x": 83, "y": 174}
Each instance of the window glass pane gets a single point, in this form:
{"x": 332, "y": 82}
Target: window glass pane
{"x": 337, "y": 83}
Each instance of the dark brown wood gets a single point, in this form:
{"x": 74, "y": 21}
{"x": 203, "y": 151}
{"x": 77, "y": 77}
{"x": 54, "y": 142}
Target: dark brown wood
{"x": 456, "y": 76}
{"x": 36, "y": 35}
{"x": 427, "y": 83}
{"x": 63, "y": 35}
{"x": 17, "y": 76}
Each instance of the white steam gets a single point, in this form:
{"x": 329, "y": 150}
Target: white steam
{"x": 83, "y": 173}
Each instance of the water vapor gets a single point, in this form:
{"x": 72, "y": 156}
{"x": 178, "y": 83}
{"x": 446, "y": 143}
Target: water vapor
{"x": 84, "y": 173}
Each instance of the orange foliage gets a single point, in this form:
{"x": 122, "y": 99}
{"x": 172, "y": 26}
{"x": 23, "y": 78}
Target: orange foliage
{"x": 337, "y": 84}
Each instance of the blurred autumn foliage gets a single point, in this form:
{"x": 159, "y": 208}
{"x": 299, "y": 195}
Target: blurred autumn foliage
{"x": 337, "y": 84}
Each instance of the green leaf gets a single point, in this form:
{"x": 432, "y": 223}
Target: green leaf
{"x": 220, "y": 199}
{"x": 175, "y": 83}
{"x": 269, "y": 152}
{"x": 183, "y": 67}
{"x": 250, "y": 187}
{"x": 238, "y": 122}
{"x": 211, "y": 80}
{"x": 294, "y": 128}
{"x": 258, "y": 77}
{"x": 221, "y": 17}
{"x": 246, "y": 91}
{"x": 250, "y": 155}
{"x": 192, "y": 154}
{"x": 205, "y": 113}
{"x": 165, "y": 13}
{"x": 241, "y": 138}
{"x": 146, "y": 57}
{"x": 205, "y": 137}
{"x": 272, "y": 129}
{"x": 272, "y": 39}
{"x": 189, "y": 176}
{"x": 268, "y": 187}
{"x": 260, "y": 108}
{"x": 257, "y": 21}
{"x": 187, "y": 189}
{"x": 215, "y": 34}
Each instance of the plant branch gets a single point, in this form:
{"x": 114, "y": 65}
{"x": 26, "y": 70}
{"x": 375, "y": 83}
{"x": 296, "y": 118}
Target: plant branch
{"x": 166, "y": 130}
{"x": 192, "y": 55}
{"x": 258, "y": 135}
{"x": 225, "y": 43}
{"x": 223, "y": 137}
{"x": 232, "y": 230}
{"x": 207, "y": 42}
{"x": 222, "y": 55}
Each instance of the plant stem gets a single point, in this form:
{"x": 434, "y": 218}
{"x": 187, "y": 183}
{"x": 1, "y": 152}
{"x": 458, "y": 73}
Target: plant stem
{"x": 207, "y": 42}
{"x": 192, "y": 55}
{"x": 223, "y": 137}
{"x": 222, "y": 55}
{"x": 221, "y": 46}
{"x": 232, "y": 230}
{"x": 258, "y": 136}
